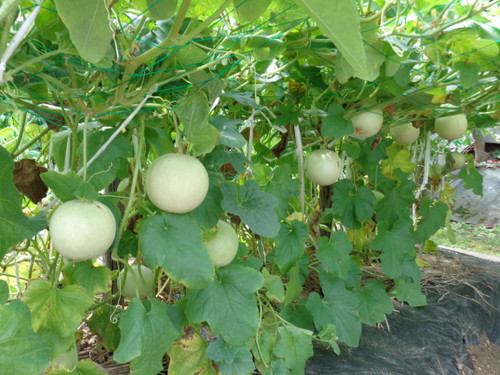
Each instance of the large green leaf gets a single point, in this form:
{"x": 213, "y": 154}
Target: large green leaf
{"x": 193, "y": 113}
{"x": 103, "y": 323}
{"x": 63, "y": 186}
{"x": 157, "y": 9}
{"x": 229, "y": 134}
{"x": 228, "y": 304}
{"x": 472, "y": 179}
{"x": 22, "y": 351}
{"x": 333, "y": 253}
{"x": 283, "y": 187}
{"x": 352, "y": 205}
{"x": 397, "y": 244}
{"x": 338, "y": 307}
{"x": 294, "y": 345}
{"x": 57, "y": 313}
{"x": 335, "y": 124}
{"x": 375, "y": 303}
{"x": 174, "y": 242}
{"x": 433, "y": 218}
{"x": 89, "y": 27}
{"x": 250, "y": 10}
{"x": 229, "y": 358}
{"x": 102, "y": 172}
{"x": 14, "y": 225}
{"x": 93, "y": 279}
{"x": 83, "y": 367}
{"x": 253, "y": 206}
{"x": 409, "y": 291}
{"x": 340, "y": 22}
{"x": 290, "y": 244}
{"x": 146, "y": 334}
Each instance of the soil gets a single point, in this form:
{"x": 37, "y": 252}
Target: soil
{"x": 484, "y": 358}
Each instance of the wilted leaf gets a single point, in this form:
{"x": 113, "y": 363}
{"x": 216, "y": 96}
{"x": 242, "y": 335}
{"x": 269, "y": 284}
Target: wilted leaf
{"x": 188, "y": 355}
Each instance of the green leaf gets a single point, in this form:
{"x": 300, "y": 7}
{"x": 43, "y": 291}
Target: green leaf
{"x": 283, "y": 187}
{"x": 290, "y": 244}
{"x": 14, "y": 225}
{"x": 57, "y": 311}
{"x": 339, "y": 307}
{"x": 333, "y": 253}
{"x": 193, "y": 114}
{"x": 83, "y": 367}
{"x": 409, "y": 291}
{"x": 229, "y": 134}
{"x": 253, "y": 206}
{"x": 341, "y": 24}
{"x": 174, "y": 242}
{"x": 472, "y": 179}
{"x": 433, "y": 218}
{"x": 397, "y": 200}
{"x": 189, "y": 355}
{"x": 397, "y": 245}
{"x": 87, "y": 191}
{"x": 335, "y": 124}
{"x": 375, "y": 303}
{"x": 352, "y": 205}
{"x": 4, "y": 292}
{"x": 62, "y": 185}
{"x": 103, "y": 323}
{"x": 274, "y": 288}
{"x": 157, "y": 9}
{"x": 249, "y": 11}
{"x": 146, "y": 334}
{"x": 208, "y": 213}
{"x": 102, "y": 172}
{"x": 89, "y": 27}
{"x": 289, "y": 113}
{"x": 231, "y": 359}
{"x": 93, "y": 279}
{"x": 228, "y": 304}
{"x": 469, "y": 73}
{"x": 295, "y": 346}
{"x": 22, "y": 351}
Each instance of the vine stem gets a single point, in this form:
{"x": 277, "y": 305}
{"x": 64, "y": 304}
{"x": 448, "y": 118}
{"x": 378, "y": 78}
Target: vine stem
{"x": 120, "y": 128}
{"x": 300, "y": 157}
{"x": 427, "y": 162}
{"x": 30, "y": 143}
{"x": 17, "y": 40}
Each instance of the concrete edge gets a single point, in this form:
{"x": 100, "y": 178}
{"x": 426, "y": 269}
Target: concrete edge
{"x": 491, "y": 258}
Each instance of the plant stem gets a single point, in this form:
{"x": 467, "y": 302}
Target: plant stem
{"x": 30, "y": 143}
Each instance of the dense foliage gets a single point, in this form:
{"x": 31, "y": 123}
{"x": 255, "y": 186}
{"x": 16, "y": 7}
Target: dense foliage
{"x": 93, "y": 93}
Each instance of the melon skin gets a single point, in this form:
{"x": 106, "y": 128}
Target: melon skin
{"x": 222, "y": 248}
{"x": 323, "y": 167}
{"x": 82, "y": 230}
{"x": 143, "y": 276}
{"x": 405, "y": 134}
{"x": 451, "y": 127}
{"x": 177, "y": 183}
{"x": 368, "y": 123}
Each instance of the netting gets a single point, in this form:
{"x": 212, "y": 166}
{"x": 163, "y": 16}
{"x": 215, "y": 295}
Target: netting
{"x": 269, "y": 56}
